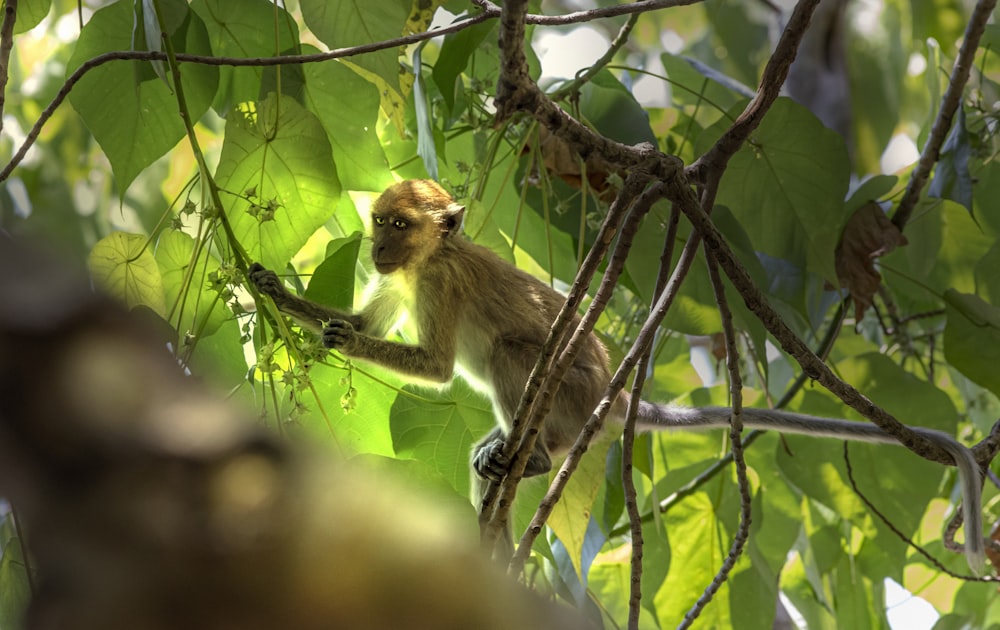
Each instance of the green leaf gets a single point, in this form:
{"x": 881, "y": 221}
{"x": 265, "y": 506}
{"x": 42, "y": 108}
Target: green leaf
{"x": 15, "y": 589}
{"x": 347, "y": 106}
{"x": 440, "y": 428}
{"x": 364, "y": 429}
{"x": 952, "y": 179}
{"x": 124, "y": 266}
{"x": 787, "y": 185}
{"x": 353, "y": 22}
{"x": 972, "y": 338}
{"x": 192, "y": 307}
{"x": 30, "y": 14}
{"x": 333, "y": 281}
{"x": 132, "y": 114}
{"x": 570, "y": 519}
{"x": 279, "y": 150}
{"x": 245, "y": 33}
{"x": 691, "y": 85}
{"x": 612, "y": 110}
{"x": 456, "y": 50}
{"x": 422, "y": 111}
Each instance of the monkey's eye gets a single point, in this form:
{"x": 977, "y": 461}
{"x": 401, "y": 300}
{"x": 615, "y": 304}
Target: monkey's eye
{"x": 379, "y": 220}
{"x": 400, "y": 224}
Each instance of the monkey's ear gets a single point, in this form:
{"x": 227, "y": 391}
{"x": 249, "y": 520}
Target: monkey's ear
{"x": 454, "y": 215}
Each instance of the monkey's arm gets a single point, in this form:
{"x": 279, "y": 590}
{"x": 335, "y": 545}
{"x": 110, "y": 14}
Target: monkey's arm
{"x": 308, "y": 314}
{"x": 654, "y": 416}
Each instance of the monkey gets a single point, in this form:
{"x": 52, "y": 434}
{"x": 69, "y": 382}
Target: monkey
{"x": 481, "y": 317}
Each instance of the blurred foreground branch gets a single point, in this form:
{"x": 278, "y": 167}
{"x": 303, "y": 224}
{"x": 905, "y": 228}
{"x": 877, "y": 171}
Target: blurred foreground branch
{"x": 149, "y": 503}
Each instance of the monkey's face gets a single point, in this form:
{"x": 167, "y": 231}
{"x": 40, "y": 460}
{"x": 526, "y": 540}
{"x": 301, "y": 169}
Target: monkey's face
{"x": 409, "y": 221}
{"x": 395, "y": 241}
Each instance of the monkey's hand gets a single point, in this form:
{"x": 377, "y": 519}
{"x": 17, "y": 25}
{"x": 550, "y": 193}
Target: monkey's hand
{"x": 339, "y": 334}
{"x": 489, "y": 461}
{"x": 266, "y": 281}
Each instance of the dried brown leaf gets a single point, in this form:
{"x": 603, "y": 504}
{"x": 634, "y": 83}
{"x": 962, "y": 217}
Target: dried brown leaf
{"x": 868, "y": 234}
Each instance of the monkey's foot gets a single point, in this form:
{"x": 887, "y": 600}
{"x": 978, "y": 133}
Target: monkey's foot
{"x": 489, "y": 461}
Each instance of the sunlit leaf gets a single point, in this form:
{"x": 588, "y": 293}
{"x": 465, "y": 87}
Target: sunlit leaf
{"x": 440, "y": 428}
{"x": 133, "y": 115}
{"x": 333, "y": 281}
{"x": 350, "y": 23}
{"x": 124, "y": 266}
{"x": 347, "y": 105}
{"x": 280, "y": 150}
{"x": 245, "y": 33}
{"x": 191, "y": 302}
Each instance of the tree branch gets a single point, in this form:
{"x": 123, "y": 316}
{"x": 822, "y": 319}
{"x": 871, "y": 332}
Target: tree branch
{"x": 812, "y": 365}
{"x": 736, "y": 441}
{"x": 949, "y": 105}
{"x": 579, "y": 17}
{"x": 6, "y": 43}
{"x": 595, "y": 422}
{"x": 709, "y": 167}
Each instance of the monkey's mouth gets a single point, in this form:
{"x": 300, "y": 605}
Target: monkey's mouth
{"x": 385, "y": 267}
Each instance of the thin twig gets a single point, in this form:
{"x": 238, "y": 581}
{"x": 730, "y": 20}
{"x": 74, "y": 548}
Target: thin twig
{"x": 812, "y": 365}
{"x": 628, "y": 436}
{"x": 736, "y": 439}
{"x": 579, "y": 17}
{"x": 899, "y": 533}
{"x": 6, "y": 43}
{"x": 638, "y": 209}
{"x": 709, "y": 167}
{"x": 588, "y": 73}
{"x": 949, "y": 105}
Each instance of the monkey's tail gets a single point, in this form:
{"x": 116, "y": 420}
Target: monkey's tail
{"x": 653, "y": 416}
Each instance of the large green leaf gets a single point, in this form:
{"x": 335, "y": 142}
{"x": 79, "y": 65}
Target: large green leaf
{"x": 29, "y": 14}
{"x": 440, "y": 428}
{"x": 352, "y": 22}
{"x": 787, "y": 185}
{"x": 277, "y": 150}
{"x": 972, "y": 338}
{"x": 124, "y": 266}
{"x": 192, "y": 305}
{"x": 333, "y": 281}
{"x": 132, "y": 113}
{"x": 905, "y": 482}
{"x": 245, "y": 33}
{"x": 347, "y": 106}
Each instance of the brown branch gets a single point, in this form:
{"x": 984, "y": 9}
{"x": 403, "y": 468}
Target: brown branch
{"x": 736, "y": 439}
{"x": 949, "y": 105}
{"x": 526, "y": 421}
{"x": 526, "y": 445}
{"x": 579, "y": 17}
{"x": 6, "y": 43}
{"x": 812, "y": 365}
{"x": 517, "y": 92}
{"x": 709, "y": 167}
{"x": 635, "y": 519}
{"x": 615, "y": 386}
{"x": 987, "y": 450}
